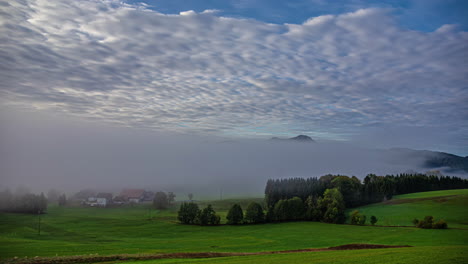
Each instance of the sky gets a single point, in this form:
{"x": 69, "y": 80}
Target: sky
{"x": 377, "y": 74}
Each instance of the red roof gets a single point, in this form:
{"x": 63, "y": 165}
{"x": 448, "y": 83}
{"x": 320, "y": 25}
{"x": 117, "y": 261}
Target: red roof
{"x": 132, "y": 193}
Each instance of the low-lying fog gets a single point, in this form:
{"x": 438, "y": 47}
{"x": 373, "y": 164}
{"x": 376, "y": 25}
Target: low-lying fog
{"x": 69, "y": 156}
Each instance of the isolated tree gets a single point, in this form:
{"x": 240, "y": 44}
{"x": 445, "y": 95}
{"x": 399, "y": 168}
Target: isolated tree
{"x": 188, "y": 213}
{"x": 235, "y": 215}
{"x": 190, "y": 196}
{"x": 160, "y": 200}
{"x": 171, "y": 197}
{"x": 254, "y": 213}
{"x": 373, "y": 220}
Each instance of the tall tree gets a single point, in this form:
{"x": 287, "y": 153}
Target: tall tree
{"x": 160, "y": 200}
{"x": 333, "y": 206}
{"x": 254, "y": 213}
{"x": 235, "y": 215}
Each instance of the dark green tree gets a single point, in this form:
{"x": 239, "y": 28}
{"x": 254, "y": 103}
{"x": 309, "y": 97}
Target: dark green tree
{"x": 332, "y": 204}
{"x": 296, "y": 209}
{"x": 235, "y": 215}
{"x": 373, "y": 220}
{"x": 208, "y": 216}
{"x": 160, "y": 200}
{"x": 313, "y": 212}
{"x": 188, "y": 213}
{"x": 280, "y": 211}
{"x": 254, "y": 213}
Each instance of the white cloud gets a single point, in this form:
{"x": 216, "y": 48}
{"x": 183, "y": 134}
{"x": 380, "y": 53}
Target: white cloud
{"x": 210, "y": 74}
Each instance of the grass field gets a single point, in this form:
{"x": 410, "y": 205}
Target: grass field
{"x": 451, "y": 206}
{"x": 76, "y": 231}
{"x": 427, "y": 255}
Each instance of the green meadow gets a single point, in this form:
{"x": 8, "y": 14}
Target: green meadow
{"x": 141, "y": 230}
{"x": 451, "y": 205}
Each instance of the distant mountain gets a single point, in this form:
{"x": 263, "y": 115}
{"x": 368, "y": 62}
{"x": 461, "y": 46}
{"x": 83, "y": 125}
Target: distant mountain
{"x": 300, "y": 138}
{"x": 435, "y": 159}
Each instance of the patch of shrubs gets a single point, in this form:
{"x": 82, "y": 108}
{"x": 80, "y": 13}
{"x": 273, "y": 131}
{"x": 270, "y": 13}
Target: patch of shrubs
{"x": 429, "y": 223}
{"x": 357, "y": 218}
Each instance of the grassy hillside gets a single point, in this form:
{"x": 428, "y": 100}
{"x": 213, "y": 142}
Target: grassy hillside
{"x": 74, "y": 231}
{"x": 427, "y": 255}
{"x": 450, "y": 205}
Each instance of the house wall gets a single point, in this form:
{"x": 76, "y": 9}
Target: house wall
{"x": 101, "y": 201}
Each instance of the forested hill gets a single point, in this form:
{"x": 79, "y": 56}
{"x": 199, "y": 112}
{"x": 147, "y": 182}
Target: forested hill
{"x": 434, "y": 159}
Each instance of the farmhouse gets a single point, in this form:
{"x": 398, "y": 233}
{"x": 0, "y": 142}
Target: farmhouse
{"x": 136, "y": 195}
{"x": 103, "y": 199}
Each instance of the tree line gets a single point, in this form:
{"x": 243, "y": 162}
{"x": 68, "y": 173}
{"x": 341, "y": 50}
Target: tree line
{"x": 27, "y": 203}
{"x": 373, "y": 188}
{"x": 325, "y": 199}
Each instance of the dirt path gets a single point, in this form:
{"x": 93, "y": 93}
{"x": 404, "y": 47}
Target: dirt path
{"x": 127, "y": 257}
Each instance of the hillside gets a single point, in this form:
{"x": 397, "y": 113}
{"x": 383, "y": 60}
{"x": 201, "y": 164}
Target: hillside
{"x": 450, "y": 205}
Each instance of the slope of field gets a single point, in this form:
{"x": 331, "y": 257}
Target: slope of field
{"x": 427, "y": 255}
{"x": 79, "y": 231}
{"x": 451, "y": 205}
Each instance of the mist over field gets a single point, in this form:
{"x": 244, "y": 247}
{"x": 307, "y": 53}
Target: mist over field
{"x": 42, "y": 153}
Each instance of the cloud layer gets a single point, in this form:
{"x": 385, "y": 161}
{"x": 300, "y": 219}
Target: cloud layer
{"x": 332, "y": 77}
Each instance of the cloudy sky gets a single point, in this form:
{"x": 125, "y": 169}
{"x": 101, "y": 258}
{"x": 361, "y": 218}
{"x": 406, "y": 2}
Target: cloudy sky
{"x": 379, "y": 73}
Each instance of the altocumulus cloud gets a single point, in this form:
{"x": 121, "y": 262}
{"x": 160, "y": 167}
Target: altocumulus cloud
{"x": 332, "y": 76}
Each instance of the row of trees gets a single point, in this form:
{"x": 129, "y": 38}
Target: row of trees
{"x": 373, "y": 188}
{"x": 23, "y": 203}
{"x": 253, "y": 215}
{"x": 189, "y": 213}
{"x": 329, "y": 208}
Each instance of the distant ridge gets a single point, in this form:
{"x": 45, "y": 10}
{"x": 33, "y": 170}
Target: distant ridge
{"x": 300, "y": 138}
{"x": 435, "y": 159}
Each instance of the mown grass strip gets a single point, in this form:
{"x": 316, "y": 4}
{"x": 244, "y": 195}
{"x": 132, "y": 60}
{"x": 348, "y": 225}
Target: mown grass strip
{"x": 133, "y": 257}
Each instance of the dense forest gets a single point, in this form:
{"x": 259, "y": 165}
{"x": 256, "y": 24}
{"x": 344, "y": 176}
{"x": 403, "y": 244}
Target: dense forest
{"x": 325, "y": 198}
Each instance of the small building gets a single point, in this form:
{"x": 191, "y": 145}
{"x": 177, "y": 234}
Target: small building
{"x": 133, "y": 195}
{"x": 103, "y": 199}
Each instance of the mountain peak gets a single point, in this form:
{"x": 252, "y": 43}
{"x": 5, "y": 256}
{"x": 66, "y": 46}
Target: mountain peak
{"x": 300, "y": 138}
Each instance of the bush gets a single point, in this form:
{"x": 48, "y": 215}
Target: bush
{"x": 357, "y": 218}
{"x": 254, "y": 213}
{"x": 235, "y": 215}
{"x": 429, "y": 223}
{"x": 426, "y": 223}
{"x": 441, "y": 224}
{"x": 373, "y": 220}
